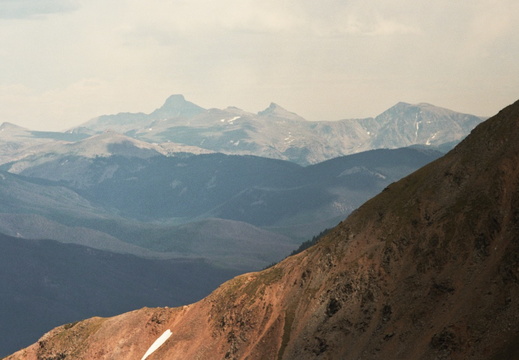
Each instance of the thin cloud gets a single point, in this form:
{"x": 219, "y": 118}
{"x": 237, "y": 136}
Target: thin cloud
{"x": 22, "y": 9}
{"x": 491, "y": 22}
{"x": 324, "y": 60}
{"x": 292, "y": 18}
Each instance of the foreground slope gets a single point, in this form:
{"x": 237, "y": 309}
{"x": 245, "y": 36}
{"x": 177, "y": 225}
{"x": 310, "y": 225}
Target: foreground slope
{"x": 45, "y": 283}
{"x": 429, "y": 269}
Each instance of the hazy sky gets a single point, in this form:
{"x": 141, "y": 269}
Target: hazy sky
{"x": 66, "y": 61}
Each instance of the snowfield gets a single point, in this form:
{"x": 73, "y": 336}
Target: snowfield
{"x": 158, "y": 343}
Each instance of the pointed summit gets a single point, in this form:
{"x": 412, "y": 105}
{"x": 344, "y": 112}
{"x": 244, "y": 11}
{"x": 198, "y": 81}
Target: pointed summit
{"x": 274, "y": 110}
{"x": 176, "y": 106}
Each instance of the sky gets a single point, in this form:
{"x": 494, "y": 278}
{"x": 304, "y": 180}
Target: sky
{"x": 64, "y": 62}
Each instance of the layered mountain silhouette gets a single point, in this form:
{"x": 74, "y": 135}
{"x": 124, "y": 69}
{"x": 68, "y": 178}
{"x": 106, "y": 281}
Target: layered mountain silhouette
{"x": 143, "y": 203}
{"x": 428, "y": 269}
{"x": 281, "y": 134}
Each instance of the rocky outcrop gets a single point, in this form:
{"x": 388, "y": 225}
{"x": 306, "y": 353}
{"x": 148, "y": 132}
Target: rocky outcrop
{"x": 428, "y": 269}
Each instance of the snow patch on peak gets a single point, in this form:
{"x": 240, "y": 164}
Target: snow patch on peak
{"x": 230, "y": 121}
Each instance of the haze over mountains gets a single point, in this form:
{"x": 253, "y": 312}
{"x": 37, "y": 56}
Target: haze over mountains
{"x": 147, "y": 206}
{"x": 140, "y": 167}
{"x": 281, "y": 134}
{"x": 185, "y": 187}
{"x": 180, "y": 126}
{"x": 428, "y": 269}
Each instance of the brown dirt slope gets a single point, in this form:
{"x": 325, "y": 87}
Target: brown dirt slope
{"x": 428, "y": 269}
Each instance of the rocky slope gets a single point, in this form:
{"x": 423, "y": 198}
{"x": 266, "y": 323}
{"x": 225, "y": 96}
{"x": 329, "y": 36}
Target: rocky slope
{"x": 428, "y": 269}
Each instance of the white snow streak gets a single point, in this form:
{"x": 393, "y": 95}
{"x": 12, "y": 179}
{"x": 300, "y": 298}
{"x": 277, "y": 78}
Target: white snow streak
{"x": 158, "y": 343}
{"x": 431, "y": 138}
{"x": 230, "y": 121}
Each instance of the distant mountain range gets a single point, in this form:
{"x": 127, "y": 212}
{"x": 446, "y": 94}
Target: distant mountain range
{"x": 137, "y": 204}
{"x": 180, "y": 127}
{"x": 427, "y": 269}
{"x": 281, "y": 134}
{"x": 224, "y": 214}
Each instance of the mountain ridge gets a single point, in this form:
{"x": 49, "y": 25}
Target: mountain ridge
{"x": 257, "y": 190}
{"x": 279, "y": 133}
{"x": 180, "y": 126}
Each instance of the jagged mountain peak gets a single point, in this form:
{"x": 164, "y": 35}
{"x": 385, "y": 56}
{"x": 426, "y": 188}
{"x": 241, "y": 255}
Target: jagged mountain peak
{"x": 236, "y": 110}
{"x": 175, "y": 99}
{"x": 176, "y": 105}
{"x": 233, "y": 108}
{"x": 405, "y": 106}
